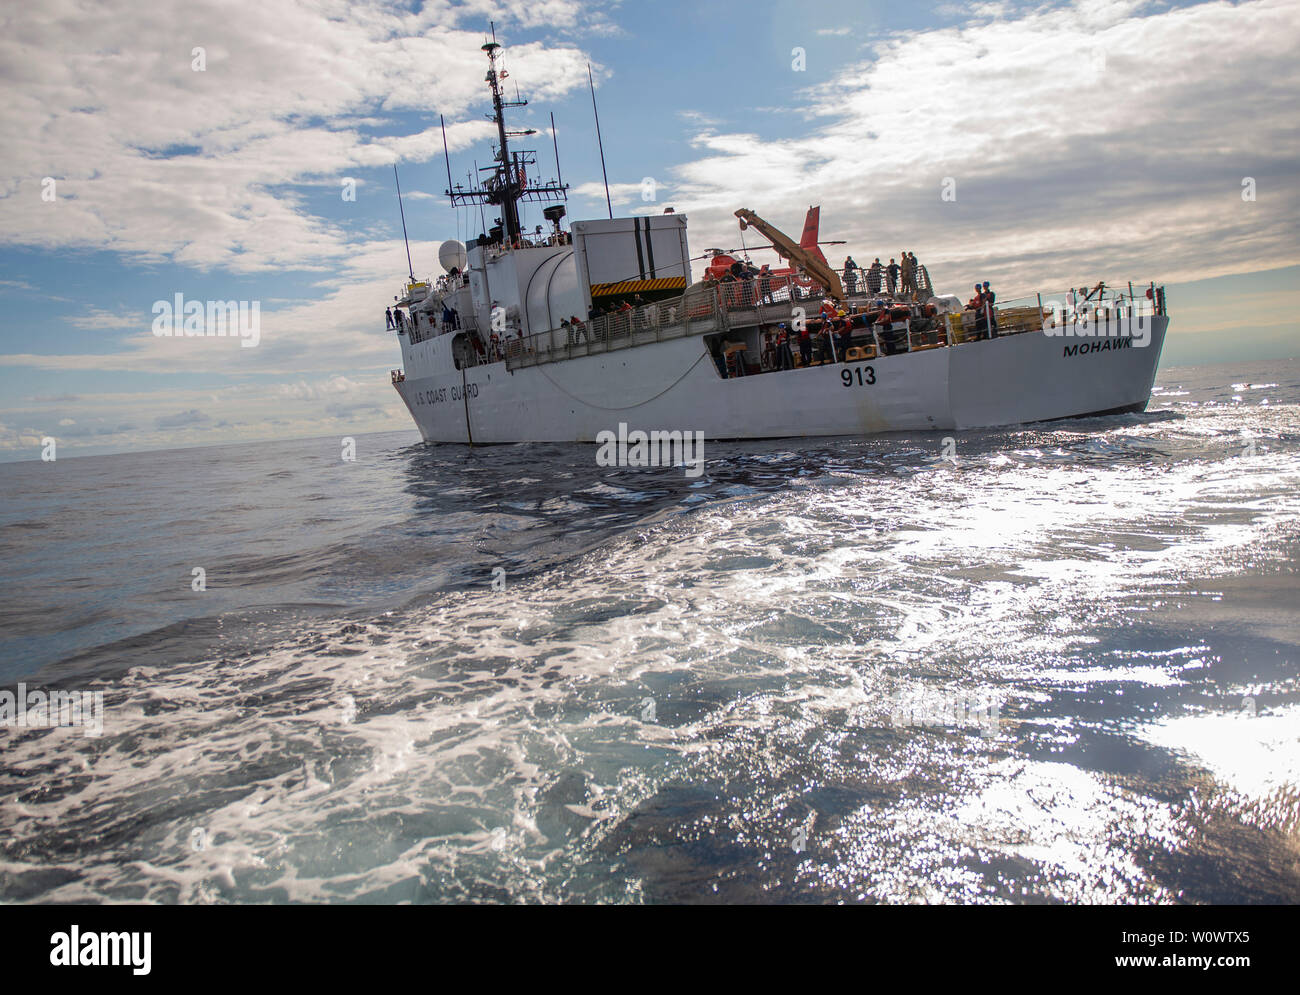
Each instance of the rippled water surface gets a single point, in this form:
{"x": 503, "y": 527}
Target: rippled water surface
{"x": 1059, "y": 666}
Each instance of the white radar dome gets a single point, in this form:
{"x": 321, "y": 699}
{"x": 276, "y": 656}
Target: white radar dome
{"x": 451, "y": 255}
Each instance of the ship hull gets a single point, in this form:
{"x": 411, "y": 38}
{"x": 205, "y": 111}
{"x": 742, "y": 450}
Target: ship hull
{"x": 675, "y": 386}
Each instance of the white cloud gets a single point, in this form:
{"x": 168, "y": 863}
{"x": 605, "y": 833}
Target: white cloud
{"x": 99, "y": 318}
{"x": 345, "y": 324}
{"x": 191, "y": 416}
{"x": 106, "y": 104}
{"x": 1066, "y": 164}
{"x": 625, "y": 194}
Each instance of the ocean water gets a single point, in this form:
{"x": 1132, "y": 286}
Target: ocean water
{"x": 1057, "y": 664}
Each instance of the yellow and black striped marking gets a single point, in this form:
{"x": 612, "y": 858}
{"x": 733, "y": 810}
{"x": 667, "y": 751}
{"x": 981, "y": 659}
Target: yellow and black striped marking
{"x": 636, "y": 286}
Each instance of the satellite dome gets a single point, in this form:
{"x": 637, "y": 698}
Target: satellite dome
{"x": 451, "y": 255}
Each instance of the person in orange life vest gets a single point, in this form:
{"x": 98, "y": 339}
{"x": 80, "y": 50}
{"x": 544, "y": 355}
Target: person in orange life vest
{"x": 805, "y": 344}
{"x": 884, "y": 333}
{"x": 827, "y": 315}
{"x": 846, "y": 335}
{"x": 825, "y": 352}
{"x": 578, "y": 327}
{"x": 785, "y": 358}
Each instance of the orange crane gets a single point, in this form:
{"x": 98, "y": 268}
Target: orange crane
{"x": 815, "y": 267}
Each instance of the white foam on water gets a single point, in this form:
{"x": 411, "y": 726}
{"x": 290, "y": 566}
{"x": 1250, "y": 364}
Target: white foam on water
{"x": 497, "y": 744}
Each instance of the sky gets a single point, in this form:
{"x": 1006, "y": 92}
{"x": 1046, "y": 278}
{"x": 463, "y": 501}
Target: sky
{"x": 206, "y": 149}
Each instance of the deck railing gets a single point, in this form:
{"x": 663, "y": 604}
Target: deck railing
{"x": 1074, "y": 308}
{"x": 747, "y": 291}
{"x": 697, "y": 312}
{"x": 768, "y": 301}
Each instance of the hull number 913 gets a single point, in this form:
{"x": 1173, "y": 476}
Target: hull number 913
{"x": 864, "y": 376}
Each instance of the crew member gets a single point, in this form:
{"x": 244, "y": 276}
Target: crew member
{"x": 990, "y": 298}
{"x": 874, "y": 275}
{"x": 846, "y": 335}
{"x": 578, "y": 328}
{"x": 784, "y": 356}
{"x": 884, "y": 329}
{"x": 976, "y": 304}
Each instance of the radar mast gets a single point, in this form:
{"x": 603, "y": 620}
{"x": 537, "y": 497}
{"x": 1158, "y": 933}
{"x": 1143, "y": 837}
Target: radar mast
{"x": 508, "y": 183}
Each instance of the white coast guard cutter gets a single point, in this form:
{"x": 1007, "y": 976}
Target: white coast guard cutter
{"x": 560, "y": 335}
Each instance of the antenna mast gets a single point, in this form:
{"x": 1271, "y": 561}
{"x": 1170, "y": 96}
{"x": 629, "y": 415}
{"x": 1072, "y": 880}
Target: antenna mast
{"x": 409, "y": 265}
{"x": 508, "y": 183}
{"x": 599, "y": 143}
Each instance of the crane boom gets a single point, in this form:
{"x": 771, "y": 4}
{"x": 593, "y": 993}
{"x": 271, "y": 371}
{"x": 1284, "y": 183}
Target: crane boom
{"x": 787, "y": 247}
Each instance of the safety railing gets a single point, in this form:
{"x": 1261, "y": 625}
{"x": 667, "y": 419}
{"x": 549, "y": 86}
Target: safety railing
{"x": 744, "y": 303}
{"x": 537, "y": 240}
{"x": 448, "y": 284}
{"x": 696, "y": 312}
{"x": 863, "y": 281}
{"x": 1099, "y": 307}
{"x": 758, "y": 290}
{"x": 1097, "y": 304}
